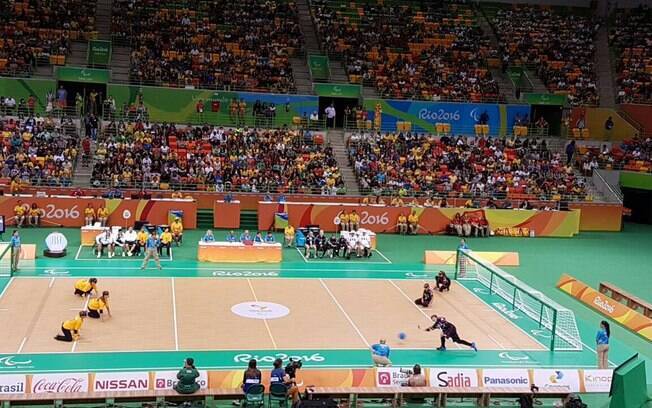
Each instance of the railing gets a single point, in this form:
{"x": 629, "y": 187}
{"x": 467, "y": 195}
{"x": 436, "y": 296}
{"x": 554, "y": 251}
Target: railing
{"x": 352, "y": 125}
{"x": 608, "y": 190}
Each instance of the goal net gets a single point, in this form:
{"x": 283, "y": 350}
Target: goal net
{"x": 531, "y": 302}
{"x": 5, "y": 259}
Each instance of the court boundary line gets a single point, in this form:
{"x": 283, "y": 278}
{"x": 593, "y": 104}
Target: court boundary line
{"x": 345, "y": 261}
{"x": 115, "y": 258}
{"x": 4, "y": 290}
{"x": 174, "y": 315}
{"x": 269, "y": 330}
{"x": 346, "y": 315}
{"x": 74, "y": 344}
{"x": 218, "y": 266}
{"x": 509, "y": 320}
{"x": 417, "y": 307}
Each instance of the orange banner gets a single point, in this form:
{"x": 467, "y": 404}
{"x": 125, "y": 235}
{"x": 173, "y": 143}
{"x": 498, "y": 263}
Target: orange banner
{"x": 383, "y": 219}
{"x": 226, "y": 215}
{"x": 69, "y": 211}
{"x": 364, "y": 377}
{"x": 450, "y": 258}
{"x": 631, "y": 319}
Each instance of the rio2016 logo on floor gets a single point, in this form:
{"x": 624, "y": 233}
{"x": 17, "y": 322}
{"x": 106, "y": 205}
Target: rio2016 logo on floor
{"x": 312, "y": 358}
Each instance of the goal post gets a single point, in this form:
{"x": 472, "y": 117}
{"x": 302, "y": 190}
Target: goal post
{"x": 6, "y": 255}
{"x": 547, "y": 313}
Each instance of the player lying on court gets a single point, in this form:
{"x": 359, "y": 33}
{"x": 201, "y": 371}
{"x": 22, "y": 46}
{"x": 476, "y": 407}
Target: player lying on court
{"x": 84, "y": 287}
{"x": 96, "y": 306}
{"x": 448, "y": 330}
{"x": 71, "y": 328}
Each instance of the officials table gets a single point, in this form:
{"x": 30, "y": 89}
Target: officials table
{"x": 220, "y": 251}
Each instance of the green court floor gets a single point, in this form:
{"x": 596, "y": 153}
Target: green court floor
{"x": 624, "y": 259}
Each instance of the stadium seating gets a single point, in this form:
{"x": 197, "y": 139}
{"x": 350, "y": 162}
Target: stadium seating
{"x": 632, "y": 155}
{"x": 557, "y": 44}
{"x": 223, "y": 44}
{"x": 406, "y": 164}
{"x": 631, "y": 36}
{"x": 432, "y": 52}
{"x": 163, "y": 156}
{"x": 36, "y": 152}
{"x": 40, "y": 32}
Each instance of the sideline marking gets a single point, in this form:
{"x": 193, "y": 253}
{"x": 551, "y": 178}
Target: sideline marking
{"x": 269, "y": 331}
{"x": 337, "y": 303}
{"x": 22, "y": 344}
{"x": 4, "y": 290}
{"x": 174, "y": 314}
{"x": 74, "y": 344}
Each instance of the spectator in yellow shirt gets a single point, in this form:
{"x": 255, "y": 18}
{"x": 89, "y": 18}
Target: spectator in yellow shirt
{"x": 102, "y": 215}
{"x": 396, "y": 202}
{"x": 19, "y": 214}
{"x": 14, "y": 187}
{"x": 289, "y": 236}
{"x": 89, "y": 214}
{"x": 165, "y": 242}
{"x": 177, "y": 231}
{"x": 71, "y": 328}
{"x": 344, "y": 221}
{"x": 177, "y": 194}
{"x": 96, "y": 306}
{"x": 413, "y": 222}
{"x": 84, "y": 287}
{"x": 401, "y": 224}
{"x": 354, "y": 221}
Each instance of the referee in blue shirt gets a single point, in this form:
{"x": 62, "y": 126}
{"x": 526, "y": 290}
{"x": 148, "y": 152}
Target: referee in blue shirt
{"x": 15, "y": 245}
{"x": 151, "y": 250}
{"x": 380, "y": 354}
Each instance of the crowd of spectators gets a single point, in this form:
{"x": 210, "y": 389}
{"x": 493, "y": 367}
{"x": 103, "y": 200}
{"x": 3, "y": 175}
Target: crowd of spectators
{"x": 559, "y": 44}
{"x": 217, "y": 44}
{"x": 633, "y": 154}
{"x": 407, "y": 164}
{"x": 37, "y": 29}
{"x": 430, "y": 51}
{"x": 631, "y": 35}
{"x": 36, "y": 151}
{"x": 148, "y": 155}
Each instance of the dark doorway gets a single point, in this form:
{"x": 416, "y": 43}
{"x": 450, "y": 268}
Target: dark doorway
{"x": 340, "y": 105}
{"x": 640, "y": 202}
{"x": 85, "y": 90}
{"x": 551, "y": 113}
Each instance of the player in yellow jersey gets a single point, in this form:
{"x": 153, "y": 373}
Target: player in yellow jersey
{"x": 71, "y": 328}
{"x": 289, "y": 235}
{"x": 89, "y": 214}
{"x": 96, "y": 306}
{"x": 102, "y": 215}
{"x": 19, "y": 213}
{"x": 84, "y": 287}
{"x": 176, "y": 228}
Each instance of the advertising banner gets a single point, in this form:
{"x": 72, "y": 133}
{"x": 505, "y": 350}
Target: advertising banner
{"x": 391, "y": 376}
{"x": 450, "y": 258}
{"x": 505, "y": 377}
{"x": 76, "y": 74}
{"x": 383, "y": 219}
{"x": 337, "y": 90}
{"x": 166, "y": 380}
{"x": 453, "y": 377}
{"x": 631, "y": 319}
{"x": 69, "y": 211}
{"x": 461, "y": 116}
{"x": 319, "y": 67}
{"x": 121, "y": 381}
{"x": 13, "y": 384}
{"x": 99, "y": 52}
{"x": 59, "y": 383}
{"x": 595, "y": 380}
{"x": 547, "y": 379}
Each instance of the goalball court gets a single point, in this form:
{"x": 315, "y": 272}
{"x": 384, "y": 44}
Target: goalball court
{"x": 178, "y": 314}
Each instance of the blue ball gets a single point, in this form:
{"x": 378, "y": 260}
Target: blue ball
{"x": 402, "y": 336}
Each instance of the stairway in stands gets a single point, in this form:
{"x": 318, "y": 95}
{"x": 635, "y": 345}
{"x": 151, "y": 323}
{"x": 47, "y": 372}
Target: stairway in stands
{"x": 300, "y": 69}
{"x": 603, "y": 67}
{"x": 204, "y": 218}
{"x": 505, "y": 85}
{"x": 103, "y": 19}
{"x": 338, "y": 143}
{"x": 249, "y": 220}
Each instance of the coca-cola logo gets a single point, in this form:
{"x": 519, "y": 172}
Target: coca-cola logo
{"x": 60, "y": 384}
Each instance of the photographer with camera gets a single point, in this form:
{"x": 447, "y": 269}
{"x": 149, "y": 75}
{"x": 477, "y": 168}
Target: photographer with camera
{"x": 187, "y": 377}
{"x": 416, "y": 377}
{"x": 290, "y": 380}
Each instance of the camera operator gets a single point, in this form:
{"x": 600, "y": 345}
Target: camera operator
{"x": 416, "y": 377}
{"x": 290, "y": 380}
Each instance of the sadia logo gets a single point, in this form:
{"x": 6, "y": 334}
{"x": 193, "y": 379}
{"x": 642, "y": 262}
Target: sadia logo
{"x": 384, "y": 378}
{"x": 453, "y": 378}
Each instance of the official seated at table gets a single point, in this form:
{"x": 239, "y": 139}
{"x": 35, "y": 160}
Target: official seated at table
{"x": 209, "y": 237}
{"x": 246, "y": 237}
{"x": 258, "y": 238}
{"x": 269, "y": 238}
{"x": 230, "y": 237}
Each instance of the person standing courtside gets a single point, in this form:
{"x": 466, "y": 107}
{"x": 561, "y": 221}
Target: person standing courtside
{"x": 151, "y": 250}
{"x": 16, "y": 248}
{"x": 602, "y": 343}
